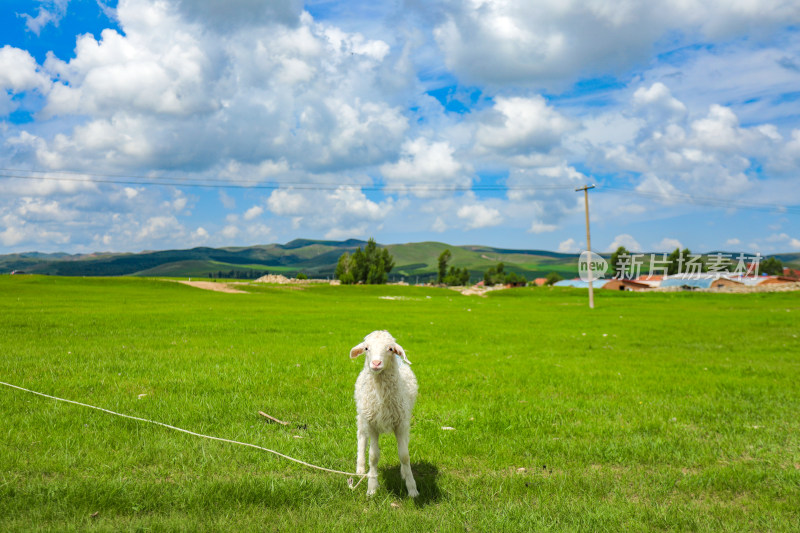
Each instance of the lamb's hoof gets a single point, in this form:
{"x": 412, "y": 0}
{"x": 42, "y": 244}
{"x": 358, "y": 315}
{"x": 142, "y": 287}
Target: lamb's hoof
{"x": 372, "y": 486}
{"x": 361, "y": 471}
{"x": 413, "y": 493}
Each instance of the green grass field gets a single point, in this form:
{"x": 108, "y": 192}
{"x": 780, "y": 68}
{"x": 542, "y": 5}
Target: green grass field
{"x": 652, "y": 412}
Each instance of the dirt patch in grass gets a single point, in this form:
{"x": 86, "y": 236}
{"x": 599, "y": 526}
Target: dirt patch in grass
{"x": 214, "y": 286}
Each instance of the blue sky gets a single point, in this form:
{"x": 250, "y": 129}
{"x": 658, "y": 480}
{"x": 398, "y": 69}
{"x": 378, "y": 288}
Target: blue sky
{"x": 153, "y": 124}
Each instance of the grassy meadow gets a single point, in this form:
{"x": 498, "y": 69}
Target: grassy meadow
{"x": 662, "y": 411}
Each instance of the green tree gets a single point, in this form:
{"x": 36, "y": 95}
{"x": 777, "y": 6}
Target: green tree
{"x": 554, "y": 277}
{"x": 674, "y": 262}
{"x": 371, "y": 265}
{"x": 344, "y": 269}
{"x": 456, "y": 276}
{"x": 515, "y": 280}
{"x": 495, "y": 275}
{"x": 444, "y": 258}
{"x": 616, "y": 268}
{"x": 772, "y": 266}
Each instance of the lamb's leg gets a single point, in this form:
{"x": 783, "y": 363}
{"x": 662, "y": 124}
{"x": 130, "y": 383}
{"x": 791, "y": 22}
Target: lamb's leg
{"x": 361, "y": 459}
{"x": 405, "y": 461}
{"x": 374, "y": 455}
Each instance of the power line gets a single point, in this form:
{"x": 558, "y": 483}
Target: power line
{"x": 256, "y": 184}
{"x": 703, "y": 200}
{"x": 220, "y": 183}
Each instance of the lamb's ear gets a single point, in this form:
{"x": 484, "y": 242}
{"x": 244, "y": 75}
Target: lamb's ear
{"x": 357, "y": 350}
{"x": 399, "y": 351}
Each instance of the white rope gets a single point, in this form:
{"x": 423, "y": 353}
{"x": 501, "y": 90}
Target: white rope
{"x": 350, "y": 481}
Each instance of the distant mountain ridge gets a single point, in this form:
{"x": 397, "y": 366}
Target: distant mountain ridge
{"x": 414, "y": 262}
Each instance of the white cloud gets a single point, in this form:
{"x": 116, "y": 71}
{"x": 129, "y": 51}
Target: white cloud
{"x": 538, "y": 227}
{"x": 778, "y": 237}
{"x": 164, "y": 93}
{"x": 343, "y": 211}
{"x": 228, "y": 15}
{"x": 667, "y": 244}
{"x": 424, "y": 163}
{"x": 624, "y": 240}
{"x": 288, "y": 202}
{"x": 19, "y": 71}
{"x": 226, "y": 201}
{"x": 159, "y": 228}
{"x": 479, "y": 216}
{"x": 549, "y": 43}
{"x": 253, "y": 212}
{"x": 230, "y": 232}
{"x": 521, "y": 126}
{"x": 50, "y": 12}
{"x": 258, "y": 232}
{"x": 658, "y": 103}
{"x": 733, "y": 242}
{"x": 359, "y": 231}
{"x": 568, "y": 247}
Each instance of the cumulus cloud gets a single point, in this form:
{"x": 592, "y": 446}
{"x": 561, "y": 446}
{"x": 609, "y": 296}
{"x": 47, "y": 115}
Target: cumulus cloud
{"x": 521, "y": 128}
{"x": 568, "y": 247}
{"x": 658, "y": 103}
{"x": 668, "y": 244}
{"x": 164, "y": 93}
{"x": 624, "y": 240}
{"x": 424, "y": 167}
{"x": 49, "y": 12}
{"x": 538, "y": 227}
{"x": 227, "y": 15}
{"x": 549, "y": 43}
{"x": 343, "y": 211}
{"x": 479, "y": 216}
{"x": 253, "y": 213}
{"x": 676, "y": 154}
{"x": 159, "y": 228}
{"x": 20, "y": 72}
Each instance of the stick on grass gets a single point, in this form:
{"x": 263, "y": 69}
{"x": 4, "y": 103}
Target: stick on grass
{"x": 272, "y": 418}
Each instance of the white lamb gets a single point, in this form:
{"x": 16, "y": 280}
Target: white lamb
{"x": 386, "y": 390}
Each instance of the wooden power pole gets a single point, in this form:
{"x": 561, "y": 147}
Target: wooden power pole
{"x": 585, "y": 190}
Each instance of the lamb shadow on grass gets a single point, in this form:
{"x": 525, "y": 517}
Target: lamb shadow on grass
{"x": 425, "y": 474}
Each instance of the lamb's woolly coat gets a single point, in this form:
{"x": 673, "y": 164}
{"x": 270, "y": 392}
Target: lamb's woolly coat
{"x": 384, "y": 401}
{"x": 385, "y": 395}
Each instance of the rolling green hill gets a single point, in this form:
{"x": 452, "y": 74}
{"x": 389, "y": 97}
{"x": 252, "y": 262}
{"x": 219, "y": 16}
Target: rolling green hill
{"x": 414, "y": 262}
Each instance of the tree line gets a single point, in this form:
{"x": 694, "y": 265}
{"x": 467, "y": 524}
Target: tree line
{"x": 370, "y": 266}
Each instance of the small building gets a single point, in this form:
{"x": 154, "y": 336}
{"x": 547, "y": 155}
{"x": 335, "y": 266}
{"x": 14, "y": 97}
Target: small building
{"x": 700, "y": 281}
{"x": 540, "y": 281}
{"x": 777, "y": 280}
{"x": 624, "y": 285}
{"x": 651, "y": 280}
{"x": 791, "y": 273}
{"x": 575, "y": 283}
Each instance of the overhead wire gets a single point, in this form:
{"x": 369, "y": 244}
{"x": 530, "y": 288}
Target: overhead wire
{"x": 256, "y": 184}
{"x": 239, "y": 183}
{"x": 702, "y": 200}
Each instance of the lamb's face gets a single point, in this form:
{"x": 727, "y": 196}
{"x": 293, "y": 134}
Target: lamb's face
{"x": 379, "y": 349}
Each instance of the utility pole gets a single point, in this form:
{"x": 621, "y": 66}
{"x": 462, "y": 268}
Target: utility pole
{"x": 585, "y": 190}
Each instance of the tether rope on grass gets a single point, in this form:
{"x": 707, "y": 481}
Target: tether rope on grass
{"x": 162, "y": 424}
